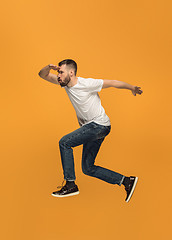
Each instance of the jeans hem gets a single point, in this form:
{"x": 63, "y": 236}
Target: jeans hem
{"x": 121, "y": 180}
{"x": 69, "y": 179}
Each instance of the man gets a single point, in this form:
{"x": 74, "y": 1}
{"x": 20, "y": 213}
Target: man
{"x": 94, "y": 126}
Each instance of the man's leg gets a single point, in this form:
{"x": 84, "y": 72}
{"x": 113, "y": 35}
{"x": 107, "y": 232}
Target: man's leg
{"x": 82, "y": 135}
{"x": 87, "y": 133}
{"x": 90, "y": 151}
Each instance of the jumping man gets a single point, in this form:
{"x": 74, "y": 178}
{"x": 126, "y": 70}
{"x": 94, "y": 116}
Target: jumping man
{"x": 94, "y": 126}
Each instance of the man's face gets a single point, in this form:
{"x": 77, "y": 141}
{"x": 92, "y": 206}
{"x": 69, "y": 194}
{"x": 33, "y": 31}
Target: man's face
{"x": 63, "y": 75}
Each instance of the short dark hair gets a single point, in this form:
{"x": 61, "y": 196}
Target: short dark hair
{"x": 69, "y": 62}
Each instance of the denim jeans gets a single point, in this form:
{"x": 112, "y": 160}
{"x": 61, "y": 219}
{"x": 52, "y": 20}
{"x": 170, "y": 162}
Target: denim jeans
{"x": 91, "y": 135}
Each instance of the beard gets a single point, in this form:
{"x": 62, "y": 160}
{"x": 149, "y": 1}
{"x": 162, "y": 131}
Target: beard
{"x": 66, "y": 81}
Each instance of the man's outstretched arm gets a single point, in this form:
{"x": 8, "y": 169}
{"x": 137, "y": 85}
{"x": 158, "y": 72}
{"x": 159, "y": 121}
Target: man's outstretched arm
{"x": 122, "y": 85}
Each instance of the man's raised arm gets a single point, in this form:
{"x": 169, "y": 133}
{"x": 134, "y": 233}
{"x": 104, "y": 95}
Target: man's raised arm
{"x": 45, "y": 73}
{"x": 122, "y": 85}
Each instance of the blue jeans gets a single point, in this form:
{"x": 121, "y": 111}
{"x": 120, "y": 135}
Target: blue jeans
{"x": 91, "y": 135}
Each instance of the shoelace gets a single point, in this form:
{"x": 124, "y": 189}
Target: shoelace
{"x": 62, "y": 184}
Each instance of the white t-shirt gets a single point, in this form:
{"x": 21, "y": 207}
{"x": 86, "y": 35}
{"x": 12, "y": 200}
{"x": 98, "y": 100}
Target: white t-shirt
{"x": 86, "y": 101}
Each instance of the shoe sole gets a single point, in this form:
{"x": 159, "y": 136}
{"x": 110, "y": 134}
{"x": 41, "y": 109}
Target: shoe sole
{"x": 132, "y": 190}
{"x": 67, "y": 195}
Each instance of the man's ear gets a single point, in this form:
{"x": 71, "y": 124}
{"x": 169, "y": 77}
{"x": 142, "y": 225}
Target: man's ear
{"x": 71, "y": 73}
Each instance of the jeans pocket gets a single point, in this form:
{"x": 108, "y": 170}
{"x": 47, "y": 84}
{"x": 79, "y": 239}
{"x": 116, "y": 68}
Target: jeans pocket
{"x": 96, "y": 125}
{"x": 108, "y": 127}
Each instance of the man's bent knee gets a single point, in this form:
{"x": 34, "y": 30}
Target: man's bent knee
{"x": 88, "y": 171}
{"x": 62, "y": 141}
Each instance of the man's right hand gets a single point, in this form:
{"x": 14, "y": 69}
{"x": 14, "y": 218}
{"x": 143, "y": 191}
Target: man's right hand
{"x": 52, "y": 66}
{"x": 45, "y": 73}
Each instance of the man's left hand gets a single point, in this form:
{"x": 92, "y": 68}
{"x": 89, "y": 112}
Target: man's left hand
{"x": 136, "y": 90}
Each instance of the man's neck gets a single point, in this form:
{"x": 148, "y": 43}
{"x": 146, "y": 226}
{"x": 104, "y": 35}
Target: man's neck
{"x": 73, "y": 82}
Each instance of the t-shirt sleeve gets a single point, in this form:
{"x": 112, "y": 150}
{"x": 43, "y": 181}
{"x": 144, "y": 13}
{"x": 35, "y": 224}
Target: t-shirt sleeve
{"x": 94, "y": 85}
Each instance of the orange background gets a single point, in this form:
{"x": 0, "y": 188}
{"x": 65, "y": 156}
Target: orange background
{"x": 128, "y": 41}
